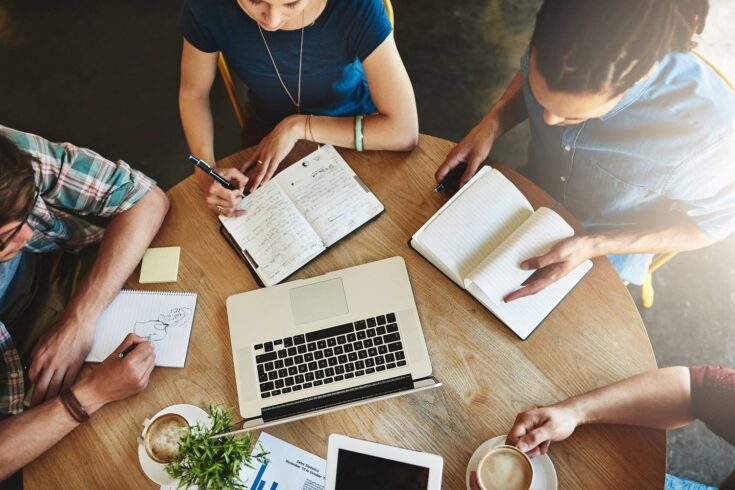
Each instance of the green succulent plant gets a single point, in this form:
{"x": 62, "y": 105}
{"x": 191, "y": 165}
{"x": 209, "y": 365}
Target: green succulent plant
{"x": 212, "y": 463}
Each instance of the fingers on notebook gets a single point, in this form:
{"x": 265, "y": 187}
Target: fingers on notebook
{"x": 538, "y": 281}
{"x": 260, "y": 172}
{"x": 473, "y": 163}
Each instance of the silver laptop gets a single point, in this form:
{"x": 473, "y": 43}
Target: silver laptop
{"x": 311, "y": 346}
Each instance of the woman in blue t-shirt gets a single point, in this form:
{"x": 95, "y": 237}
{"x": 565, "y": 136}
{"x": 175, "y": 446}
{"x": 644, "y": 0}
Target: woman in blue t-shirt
{"x": 313, "y": 69}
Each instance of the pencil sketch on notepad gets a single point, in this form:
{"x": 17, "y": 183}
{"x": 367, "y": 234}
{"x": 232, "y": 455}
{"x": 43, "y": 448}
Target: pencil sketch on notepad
{"x": 156, "y": 330}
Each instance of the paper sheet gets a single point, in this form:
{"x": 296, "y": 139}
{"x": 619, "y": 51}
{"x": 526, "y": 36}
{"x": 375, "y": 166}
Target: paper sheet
{"x": 329, "y": 194}
{"x": 472, "y": 224}
{"x": 273, "y": 234}
{"x": 164, "y": 318}
{"x": 288, "y": 468}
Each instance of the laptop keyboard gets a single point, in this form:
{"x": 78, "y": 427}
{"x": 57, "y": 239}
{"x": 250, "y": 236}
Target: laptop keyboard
{"x": 329, "y": 355}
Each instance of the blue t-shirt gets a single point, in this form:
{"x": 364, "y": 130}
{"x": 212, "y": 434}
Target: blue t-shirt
{"x": 333, "y": 81}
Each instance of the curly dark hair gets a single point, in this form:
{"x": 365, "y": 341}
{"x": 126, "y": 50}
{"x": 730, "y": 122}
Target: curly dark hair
{"x": 17, "y": 183}
{"x": 596, "y": 45}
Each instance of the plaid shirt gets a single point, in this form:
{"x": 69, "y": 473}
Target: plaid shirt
{"x": 73, "y": 182}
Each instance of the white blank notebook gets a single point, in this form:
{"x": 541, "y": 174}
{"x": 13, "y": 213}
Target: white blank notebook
{"x": 479, "y": 238}
{"x": 300, "y": 212}
{"x": 164, "y": 318}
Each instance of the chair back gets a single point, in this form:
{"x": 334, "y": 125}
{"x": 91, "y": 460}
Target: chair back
{"x": 716, "y": 69}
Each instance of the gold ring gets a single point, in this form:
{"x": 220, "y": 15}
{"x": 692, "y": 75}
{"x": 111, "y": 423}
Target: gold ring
{"x": 260, "y": 162}
{"x": 219, "y": 208}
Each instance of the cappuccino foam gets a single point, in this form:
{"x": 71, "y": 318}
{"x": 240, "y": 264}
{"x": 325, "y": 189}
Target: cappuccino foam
{"x": 505, "y": 469}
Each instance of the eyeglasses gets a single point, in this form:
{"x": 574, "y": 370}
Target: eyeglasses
{"x": 17, "y": 229}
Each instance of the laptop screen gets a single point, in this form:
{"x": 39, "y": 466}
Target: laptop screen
{"x": 357, "y": 471}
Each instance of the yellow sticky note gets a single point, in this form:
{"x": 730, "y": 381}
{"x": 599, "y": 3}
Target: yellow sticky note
{"x": 160, "y": 265}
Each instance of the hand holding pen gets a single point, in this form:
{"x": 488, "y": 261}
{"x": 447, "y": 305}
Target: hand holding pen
{"x": 226, "y": 191}
{"x": 470, "y": 152}
{"x": 450, "y": 182}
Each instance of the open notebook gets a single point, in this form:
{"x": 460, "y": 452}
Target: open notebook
{"x": 480, "y": 237}
{"x": 164, "y": 318}
{"x": 304, "y": 209}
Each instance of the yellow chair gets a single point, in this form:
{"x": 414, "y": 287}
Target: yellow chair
{"x": 647, "y": 292}
{"x": 224, "y": 72}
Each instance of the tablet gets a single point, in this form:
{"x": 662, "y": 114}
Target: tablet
{"x": 354, "y": 464}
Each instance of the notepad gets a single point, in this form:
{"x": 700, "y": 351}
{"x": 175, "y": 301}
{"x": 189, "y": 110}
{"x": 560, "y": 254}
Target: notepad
{"x": 479, "y": 238}
{"x": 298, "y": 214}
{"x": 160, "y": 264}
{"x": 164, "y": 318}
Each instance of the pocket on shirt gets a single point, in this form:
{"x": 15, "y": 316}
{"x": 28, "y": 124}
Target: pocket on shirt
{"x": 599, "y": 197}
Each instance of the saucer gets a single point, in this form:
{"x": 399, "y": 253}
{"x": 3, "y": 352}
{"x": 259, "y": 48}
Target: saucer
{"x": 544, "y": 474}
{"x": 153, "y": 470}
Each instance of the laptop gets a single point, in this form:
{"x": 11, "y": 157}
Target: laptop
{"x": 311, "y": 346}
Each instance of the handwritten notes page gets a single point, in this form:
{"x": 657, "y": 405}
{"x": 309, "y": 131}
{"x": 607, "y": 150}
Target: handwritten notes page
{"x": 472, "y": 224}
{"x": 273, "y": 234}
{"x": 329, "y": 194}
{"x": 165, "y": 319}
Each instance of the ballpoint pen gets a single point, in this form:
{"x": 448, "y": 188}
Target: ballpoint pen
{"x": 217, "y": 177}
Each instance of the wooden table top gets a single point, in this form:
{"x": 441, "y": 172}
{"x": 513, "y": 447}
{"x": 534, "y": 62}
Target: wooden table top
{"x": 593, "y": 338}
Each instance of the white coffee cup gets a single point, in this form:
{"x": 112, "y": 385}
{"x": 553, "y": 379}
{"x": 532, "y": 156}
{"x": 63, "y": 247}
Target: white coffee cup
{"x": 505, "y": 467}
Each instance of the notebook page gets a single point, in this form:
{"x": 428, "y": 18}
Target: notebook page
{"x": 165, "y": 319}
{"x": 329, "y": 194}
{"x": 273, "y": 234}
{"x": 525, "y": 314}
{"x": 473, "y": 223}
{"x": 500, "y": 274}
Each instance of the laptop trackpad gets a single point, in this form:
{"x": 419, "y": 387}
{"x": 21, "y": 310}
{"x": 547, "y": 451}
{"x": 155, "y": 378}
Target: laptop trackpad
{"x": 318, "y": 301}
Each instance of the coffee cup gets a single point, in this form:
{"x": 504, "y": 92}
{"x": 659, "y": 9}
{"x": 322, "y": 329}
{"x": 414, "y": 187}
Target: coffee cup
{"x": 505, "y": 467}
{"x": 161, "y": 440}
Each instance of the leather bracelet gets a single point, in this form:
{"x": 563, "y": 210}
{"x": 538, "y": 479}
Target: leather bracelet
{"x": 73, "y": 406}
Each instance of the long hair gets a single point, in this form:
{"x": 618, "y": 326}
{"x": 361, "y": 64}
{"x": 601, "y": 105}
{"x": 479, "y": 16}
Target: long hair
{"x": 595, "y": 45}
{"x": 17, "y": 184}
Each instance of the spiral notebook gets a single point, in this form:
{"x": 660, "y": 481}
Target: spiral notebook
{"x": 164, "y": 318}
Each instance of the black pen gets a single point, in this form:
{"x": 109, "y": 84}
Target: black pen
{"x": 451, "y": 178}
{"x": 126, "y": 351}
{"x": 217, "y": 177}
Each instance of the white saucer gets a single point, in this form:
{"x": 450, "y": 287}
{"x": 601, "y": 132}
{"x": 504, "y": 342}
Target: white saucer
{"x": 544, "y": 474}
{"x": 153, "y": 470}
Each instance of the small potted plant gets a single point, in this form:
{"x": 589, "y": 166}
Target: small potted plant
{"x": 213, "y": 463}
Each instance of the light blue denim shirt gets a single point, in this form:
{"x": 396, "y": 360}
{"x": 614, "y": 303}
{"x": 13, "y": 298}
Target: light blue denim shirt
{"x": 665, "y": 154}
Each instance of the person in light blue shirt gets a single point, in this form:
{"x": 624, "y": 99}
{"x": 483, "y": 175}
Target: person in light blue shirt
{"x": 630, "y": 131}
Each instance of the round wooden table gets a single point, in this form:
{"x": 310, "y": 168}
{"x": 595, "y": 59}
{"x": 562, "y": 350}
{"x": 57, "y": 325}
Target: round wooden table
{"x": 593, "y": 338}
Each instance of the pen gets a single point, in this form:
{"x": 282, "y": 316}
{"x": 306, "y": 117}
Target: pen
{"x": 209, "y": 171}
{"x": 451, "y": 178}
{"x": 126, "y": 351}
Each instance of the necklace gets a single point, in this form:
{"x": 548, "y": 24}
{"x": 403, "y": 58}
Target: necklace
{"x": 297, "y": 101}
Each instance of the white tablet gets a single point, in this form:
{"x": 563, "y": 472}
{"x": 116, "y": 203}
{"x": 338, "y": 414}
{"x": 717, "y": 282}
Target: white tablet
{"x": 354, "y": 464}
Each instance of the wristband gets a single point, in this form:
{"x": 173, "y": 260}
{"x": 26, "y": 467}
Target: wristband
{"x": 358, "y": 133}
{"x": 73, "y": 406}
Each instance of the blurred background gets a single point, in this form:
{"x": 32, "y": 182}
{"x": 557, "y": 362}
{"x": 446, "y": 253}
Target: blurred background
{"x": 105, "y": 75}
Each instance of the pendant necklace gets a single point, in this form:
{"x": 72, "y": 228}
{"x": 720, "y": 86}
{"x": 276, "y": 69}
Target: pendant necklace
{"x": 296, "y": 102}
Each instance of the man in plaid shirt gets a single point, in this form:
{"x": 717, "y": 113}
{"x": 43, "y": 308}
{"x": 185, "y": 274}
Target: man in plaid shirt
{"x": 55, "y": 282}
